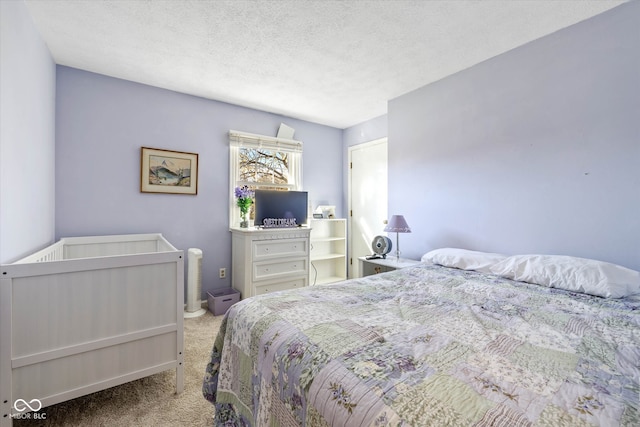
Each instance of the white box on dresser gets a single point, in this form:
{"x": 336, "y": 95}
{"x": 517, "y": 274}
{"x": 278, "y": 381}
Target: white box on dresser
{"x": 269, "y": 259}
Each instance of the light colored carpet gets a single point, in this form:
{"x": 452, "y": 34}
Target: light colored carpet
{"x": 149, "y": 401}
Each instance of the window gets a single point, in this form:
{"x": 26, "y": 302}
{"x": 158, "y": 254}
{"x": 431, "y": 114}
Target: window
{"x": 262, "y": 162}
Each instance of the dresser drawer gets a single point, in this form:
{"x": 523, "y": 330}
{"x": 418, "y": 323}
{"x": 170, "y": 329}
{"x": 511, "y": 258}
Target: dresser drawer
{"x": 300, "y": 282}
{"x": 265, "y": 270}
{"x": 280, "y": 248}
{"x": 369, "y": 269}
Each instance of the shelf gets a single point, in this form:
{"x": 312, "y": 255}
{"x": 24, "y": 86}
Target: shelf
{"x": 325, "y": 280}
{"x": 328, "y": 250}
{"x": 326, "y": 256}
{"x": 327, "y": 239}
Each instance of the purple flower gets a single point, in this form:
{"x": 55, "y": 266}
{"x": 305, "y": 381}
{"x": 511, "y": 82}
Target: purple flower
{"x": 296, "y": 401}
{"x": 406, "y": 363}
{"x": 296, "y": 351}
{"x": 244, "y": 199}
{"x": 244, "y": 192}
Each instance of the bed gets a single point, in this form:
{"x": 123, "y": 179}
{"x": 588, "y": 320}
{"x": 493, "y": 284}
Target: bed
{"x": 430, "y": 345}
{"x": 86, "y": 314}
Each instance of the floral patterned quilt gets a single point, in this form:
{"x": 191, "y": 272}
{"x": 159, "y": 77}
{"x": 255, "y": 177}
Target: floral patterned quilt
{"x": 427, "y": 346}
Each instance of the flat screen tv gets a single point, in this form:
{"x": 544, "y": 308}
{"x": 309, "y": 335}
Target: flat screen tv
{"x": 280, "y": 205}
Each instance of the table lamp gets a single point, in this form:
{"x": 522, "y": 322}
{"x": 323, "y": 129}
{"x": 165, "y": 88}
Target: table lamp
{"x": 397, "y": 224}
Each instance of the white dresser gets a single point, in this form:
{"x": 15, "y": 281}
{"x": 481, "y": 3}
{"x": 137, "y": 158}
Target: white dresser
{"x": 269, "y": 260}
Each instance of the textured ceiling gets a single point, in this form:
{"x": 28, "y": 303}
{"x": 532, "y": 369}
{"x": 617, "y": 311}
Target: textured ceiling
{"x": 330, "y": 62}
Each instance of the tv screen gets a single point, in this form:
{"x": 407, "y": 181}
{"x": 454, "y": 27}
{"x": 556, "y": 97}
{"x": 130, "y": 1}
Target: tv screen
{"x": 278, "y": 205}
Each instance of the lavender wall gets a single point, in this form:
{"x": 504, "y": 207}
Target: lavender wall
{"x": 27, "y": 144}
{"x": 370, "y": 130}
{"x": 101, "y": 124}
{"x": 536, "y": 150}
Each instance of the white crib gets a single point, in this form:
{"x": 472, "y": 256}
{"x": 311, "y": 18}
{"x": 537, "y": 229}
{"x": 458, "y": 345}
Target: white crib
{"x": 86, "y": 314}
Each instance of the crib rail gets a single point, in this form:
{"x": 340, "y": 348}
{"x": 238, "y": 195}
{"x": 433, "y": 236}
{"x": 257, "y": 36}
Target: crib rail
{"x": 54, "y": 252}
{"x": 97, "y": 246}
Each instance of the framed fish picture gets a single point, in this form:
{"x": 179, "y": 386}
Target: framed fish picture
{"x": 167, "y": 171}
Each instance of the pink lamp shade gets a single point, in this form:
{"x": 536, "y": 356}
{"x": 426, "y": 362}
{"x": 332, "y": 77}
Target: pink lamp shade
{"x": 398, "y": 224}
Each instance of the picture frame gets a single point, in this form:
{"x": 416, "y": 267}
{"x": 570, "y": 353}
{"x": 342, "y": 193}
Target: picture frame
{"x": 168, "y": 171}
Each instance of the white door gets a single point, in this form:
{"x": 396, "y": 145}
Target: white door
{"x": 367, "y": 198}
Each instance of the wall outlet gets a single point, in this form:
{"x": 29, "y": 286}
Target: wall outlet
{"x": 223, "y": 273}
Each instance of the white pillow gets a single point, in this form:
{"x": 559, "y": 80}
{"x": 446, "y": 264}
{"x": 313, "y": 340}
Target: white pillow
{"x": 463, "y": 259}
{"x": 573, "y": 274}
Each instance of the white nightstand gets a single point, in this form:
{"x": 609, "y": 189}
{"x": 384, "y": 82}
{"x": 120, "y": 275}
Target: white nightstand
{"x": 380, "y": 265}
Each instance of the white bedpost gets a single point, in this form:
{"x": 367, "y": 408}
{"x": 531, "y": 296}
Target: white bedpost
{"x": 6, "y": 397}
{"x": 180, "y": 323}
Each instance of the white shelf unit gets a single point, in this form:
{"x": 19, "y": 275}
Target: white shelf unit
{"x": 328, "y": 251}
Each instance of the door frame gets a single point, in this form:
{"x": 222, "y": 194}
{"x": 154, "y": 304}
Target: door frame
{"x": 350, "y": 260}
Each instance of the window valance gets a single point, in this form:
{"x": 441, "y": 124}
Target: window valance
{"x": 251, "y": 140}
